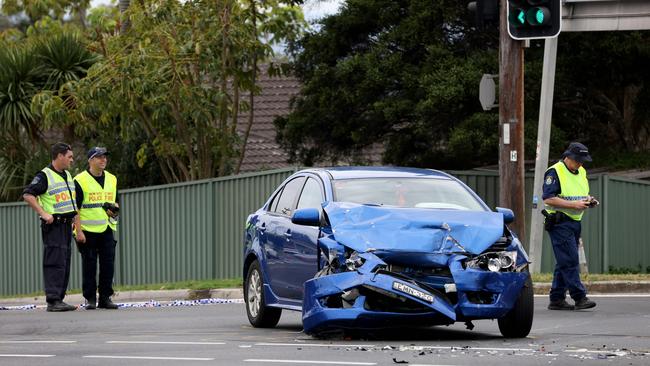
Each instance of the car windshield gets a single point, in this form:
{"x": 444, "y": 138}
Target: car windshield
{"x": 406, "y": 192}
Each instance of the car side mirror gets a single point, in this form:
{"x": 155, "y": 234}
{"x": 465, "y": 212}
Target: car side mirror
{"x": 508, "y": 215}
{"x": 306, "y": 217}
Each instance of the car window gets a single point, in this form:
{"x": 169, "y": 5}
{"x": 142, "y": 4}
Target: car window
{"x": 442, "y": 194}
{"x": 274, "y": 202}
{"x": 311, "y": 196}
{"x": 288, "y": 196}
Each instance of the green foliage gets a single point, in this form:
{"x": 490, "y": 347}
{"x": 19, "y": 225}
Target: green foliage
{"x": 171, "y": 85}
{"x": 406, "y": 74}
{"x": 399, "y": 72}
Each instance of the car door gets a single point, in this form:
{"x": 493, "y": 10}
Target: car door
{"x": 278, "y": 237}
{"x": 301, "y": 253}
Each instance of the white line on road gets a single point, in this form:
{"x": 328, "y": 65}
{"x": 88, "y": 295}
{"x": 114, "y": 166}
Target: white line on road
{"x": 157, "y": 342}
{"x": 15, "y": 342}
{"x": 16, "y": 355}
{"x": 313, "y": 345}
{"x": 609, "y": 295}
{"x": 152, "y": 358}
{"x": 311, "y": 362}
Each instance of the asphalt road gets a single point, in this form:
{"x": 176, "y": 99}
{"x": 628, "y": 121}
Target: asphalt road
{"x": 617, "y": 332}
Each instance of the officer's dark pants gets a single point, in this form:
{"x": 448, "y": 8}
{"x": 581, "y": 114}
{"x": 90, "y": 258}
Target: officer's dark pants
{"x": 102, "y": 246}
{"x": 57, "y": 238}
{"x": 565, "y": 239}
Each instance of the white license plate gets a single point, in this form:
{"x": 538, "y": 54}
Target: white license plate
{"x": 412, "y": 291}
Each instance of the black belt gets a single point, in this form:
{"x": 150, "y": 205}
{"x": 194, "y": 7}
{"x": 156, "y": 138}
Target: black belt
{"x": 63, "y": 220}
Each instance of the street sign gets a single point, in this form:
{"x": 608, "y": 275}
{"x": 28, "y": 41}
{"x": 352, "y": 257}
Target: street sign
{"x": 487, "y": 92}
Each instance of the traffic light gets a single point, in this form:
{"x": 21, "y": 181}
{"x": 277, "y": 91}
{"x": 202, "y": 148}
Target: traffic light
{"x": 486, "y": 12}
{"x": 533, "y": 19}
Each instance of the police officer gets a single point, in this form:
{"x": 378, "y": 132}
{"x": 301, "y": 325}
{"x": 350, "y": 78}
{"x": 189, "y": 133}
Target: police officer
{"x": 95, "y": 227}
{"x": 566, "y": 197}
{"x": 52, "y": 195}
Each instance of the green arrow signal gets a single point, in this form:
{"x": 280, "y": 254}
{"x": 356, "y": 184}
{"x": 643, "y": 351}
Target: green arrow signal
{"x": 539, "y": 16}
{"x": 521, "y": 17}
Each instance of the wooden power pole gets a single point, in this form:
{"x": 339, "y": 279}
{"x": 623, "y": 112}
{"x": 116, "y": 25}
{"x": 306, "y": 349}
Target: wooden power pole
{"x": 511, "y": 124}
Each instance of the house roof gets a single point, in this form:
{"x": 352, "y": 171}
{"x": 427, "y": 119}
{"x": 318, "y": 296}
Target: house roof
{"x": 262, "y": 152}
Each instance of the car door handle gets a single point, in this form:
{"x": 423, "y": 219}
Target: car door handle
{"x": 287, "y": 235}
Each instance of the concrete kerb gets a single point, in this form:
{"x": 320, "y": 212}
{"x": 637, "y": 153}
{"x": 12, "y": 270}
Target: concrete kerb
{"x": 597, "y": 287}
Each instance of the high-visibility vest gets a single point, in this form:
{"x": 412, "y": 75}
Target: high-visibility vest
{"x": 59, "y": 198}
{"x": 93, "y": 217}
{"x": 573, "y": 187}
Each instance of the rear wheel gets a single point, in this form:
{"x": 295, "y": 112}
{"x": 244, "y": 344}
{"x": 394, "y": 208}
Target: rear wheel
{"x": 518, "y": 321}
{"x": 259, "y": 315}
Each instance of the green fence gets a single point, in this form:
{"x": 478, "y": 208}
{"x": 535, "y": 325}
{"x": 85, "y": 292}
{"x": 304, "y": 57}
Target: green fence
{"x": 193, "y": 231}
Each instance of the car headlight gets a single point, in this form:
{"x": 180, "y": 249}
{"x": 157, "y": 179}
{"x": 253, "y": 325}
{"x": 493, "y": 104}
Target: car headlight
{"x": 353, "y": 261}
{"x": 494, "y": 261}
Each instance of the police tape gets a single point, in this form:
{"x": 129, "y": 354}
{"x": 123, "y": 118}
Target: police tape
{"x": 146, "y": 304}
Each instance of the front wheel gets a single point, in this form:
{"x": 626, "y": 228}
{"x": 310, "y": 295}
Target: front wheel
{"x": 259, "y": 315}
{"x": 518, "y": 321}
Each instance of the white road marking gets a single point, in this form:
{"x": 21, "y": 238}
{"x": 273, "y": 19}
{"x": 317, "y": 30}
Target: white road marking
{"x": 160, "y": 342}
{"x": 313, "y": 345}
{"x": 152, "y": 358}
{"x": 416, "y": 348}
{"x": 14, "y": 342}
{"x": 17, "y": 355}
{"x": 311, "y": 362}
{"x": 462, "y": 348}
{"x": 608, "y": 295}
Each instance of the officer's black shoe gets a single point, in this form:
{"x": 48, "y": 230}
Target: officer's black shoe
{"x": 585, "y": 303}
{"x": 91, "y": 304}
{"x": 560, "y": 305}
{"x": 60, "y": 306}
{"x": 106, "y": 304}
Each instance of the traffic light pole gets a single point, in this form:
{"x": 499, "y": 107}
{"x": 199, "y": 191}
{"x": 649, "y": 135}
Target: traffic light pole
{"x": 541, "y": 159}
{"x": 511, "y": 124}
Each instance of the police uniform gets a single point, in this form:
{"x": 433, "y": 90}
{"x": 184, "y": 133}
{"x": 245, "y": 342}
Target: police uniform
{"x": 565, "y": 229}
{"x": 55, "y": 192}
{"x": 98, "y": 228}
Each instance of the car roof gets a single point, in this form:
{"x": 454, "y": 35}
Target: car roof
{"x": 352, "y": 172}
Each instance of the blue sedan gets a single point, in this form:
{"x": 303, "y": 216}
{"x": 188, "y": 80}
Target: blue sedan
{"x": 356, "y": 248}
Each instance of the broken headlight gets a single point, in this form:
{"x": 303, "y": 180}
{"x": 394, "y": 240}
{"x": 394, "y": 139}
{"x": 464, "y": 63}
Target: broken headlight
{"x": 353, "y": 261}
{"x": 494, "y": 261}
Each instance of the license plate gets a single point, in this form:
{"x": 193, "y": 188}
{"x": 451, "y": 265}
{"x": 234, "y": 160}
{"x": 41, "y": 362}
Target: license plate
{"x": 412, "y": 291}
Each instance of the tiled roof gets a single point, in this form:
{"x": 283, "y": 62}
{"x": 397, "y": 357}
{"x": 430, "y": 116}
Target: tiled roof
{"x": 262, "y": 152}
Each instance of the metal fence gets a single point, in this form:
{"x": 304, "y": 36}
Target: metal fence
{"x": 193, "y": 231}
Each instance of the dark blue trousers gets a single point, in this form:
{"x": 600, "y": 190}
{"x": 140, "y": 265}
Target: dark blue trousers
{"x": 57, "y": 251}
{"x": 98, "y": 246}
{"x": 565, "y": 239}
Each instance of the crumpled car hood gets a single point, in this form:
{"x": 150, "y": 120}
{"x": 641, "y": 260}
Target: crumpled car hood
{"x": 403, "y": 232}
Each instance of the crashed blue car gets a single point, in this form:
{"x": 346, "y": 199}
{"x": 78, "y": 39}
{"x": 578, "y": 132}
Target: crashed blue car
{"x": 363, "y": 248}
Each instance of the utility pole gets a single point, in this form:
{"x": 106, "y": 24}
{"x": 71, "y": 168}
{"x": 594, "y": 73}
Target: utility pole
{"x": 511, "y": 124}
{"x": 541, "y": 156}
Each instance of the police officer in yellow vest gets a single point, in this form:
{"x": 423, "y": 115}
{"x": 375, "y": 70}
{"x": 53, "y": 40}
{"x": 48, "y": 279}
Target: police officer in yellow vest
{"x": 95, "y": 228}
{"x": 566, "y": 197}
{"x": 52, "y": 195}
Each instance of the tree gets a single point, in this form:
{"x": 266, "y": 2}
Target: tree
{"x": 177, "y": 75}
{"x": 399, "y": 72}
{"x": 406, "y": 74}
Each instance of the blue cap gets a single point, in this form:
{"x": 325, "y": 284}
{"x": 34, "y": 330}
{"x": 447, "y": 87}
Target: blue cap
{"x": 577, "y": 152}
{"x": 97, "y": 151}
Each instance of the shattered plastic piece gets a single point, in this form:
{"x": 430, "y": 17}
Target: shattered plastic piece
{"x": 387, "y": 348}
{"x": 400, "y": 361}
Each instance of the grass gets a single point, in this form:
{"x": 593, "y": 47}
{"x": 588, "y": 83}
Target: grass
{"x": 591, "y": 277}
{"x": 237, "y": 283}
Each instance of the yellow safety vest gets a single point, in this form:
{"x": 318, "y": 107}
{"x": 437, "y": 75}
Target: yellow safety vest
{"x": 60, "y": 195}
{"x": 573, "y": 187}
{"x": 93, "y": 217}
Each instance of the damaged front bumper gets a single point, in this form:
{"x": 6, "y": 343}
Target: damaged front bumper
{"x": 372, "y": 298}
